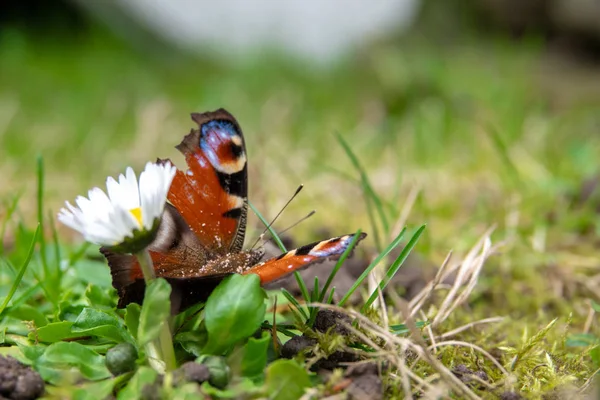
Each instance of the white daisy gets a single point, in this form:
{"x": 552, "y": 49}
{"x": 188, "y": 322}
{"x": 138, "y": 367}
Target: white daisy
{"x": 129, "y": 215}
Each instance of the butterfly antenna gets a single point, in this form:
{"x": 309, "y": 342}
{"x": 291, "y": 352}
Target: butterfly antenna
{"x": 278, "y": 214}
{"x": 307, "y": 216}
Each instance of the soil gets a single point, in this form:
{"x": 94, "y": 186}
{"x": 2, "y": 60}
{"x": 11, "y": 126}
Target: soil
{"x": 18, "y": 381}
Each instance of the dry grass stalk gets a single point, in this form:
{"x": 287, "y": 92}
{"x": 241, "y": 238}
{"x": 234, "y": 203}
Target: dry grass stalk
{"x": 468, "y": 274}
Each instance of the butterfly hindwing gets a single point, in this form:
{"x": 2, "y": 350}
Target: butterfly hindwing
{"x": 211, "y": 195}
{"x": 279, "y": 267}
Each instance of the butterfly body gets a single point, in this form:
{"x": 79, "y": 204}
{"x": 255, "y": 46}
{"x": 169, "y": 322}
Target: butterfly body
{"x": 201, "y": 234}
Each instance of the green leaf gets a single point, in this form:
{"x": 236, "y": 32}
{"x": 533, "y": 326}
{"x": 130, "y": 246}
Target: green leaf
{"x": 98, "y": 296}
{"x": 95, "y": 390}
{"x": 93, "y": 273}
{"x": 155, "y": 310}
{"x": 26, "y": 312}
{"x": 254, "y": 359}
{"x": 244, "y": 388}
{"x": 595, "y": 306}
{"x": 143, "y": 376}
{"x": 93, "y": 322}
{"x": 189, "y": 319}
{"x": 192, "y": 341}
{"x": 55, "y": 332}
{"x": 61, "y": 357}
{"x": 132, "y": 318}
{"x": 67, "y": 311}
{"x": 582, "y": 340}
{"x": 286, "y": 380}
{"x": 401, "y": 329}
{"x": 595, "y": 355}
{"x": 32, "y": 353}
{"x": 234, "y": 311}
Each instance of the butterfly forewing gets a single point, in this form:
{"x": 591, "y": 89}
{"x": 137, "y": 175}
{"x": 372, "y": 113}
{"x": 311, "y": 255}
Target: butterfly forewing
{"x": 211, "y": 195}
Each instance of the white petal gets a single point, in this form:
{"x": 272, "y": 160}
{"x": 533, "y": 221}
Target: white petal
{"x": 125, "y": 192}
{"x": 105, "y": 218}
{"x": 71, "y": 218}
{"x": 154, "y": 186}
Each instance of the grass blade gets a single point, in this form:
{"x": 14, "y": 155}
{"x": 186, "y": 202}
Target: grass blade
{"x": 269, "y": 228}
{"x": 373, "y": 264}
{"x": 56, "y": 246}
{"x": 330, "y": 298}
{"x": 40, "y": 214}
{"x": 314, "y": 298}
{"x": 9, "y": 212}
{"x": 366, "y": 184}
{"x": 295, "y": 303}
{"x": 372, "y": 221}
{"x": 503, "y": 152}
{"x": 395, "y": 266}
{"x": 22, "y": 270}
{"x": 79, "y": 253}
{"x": 338, "y": 265}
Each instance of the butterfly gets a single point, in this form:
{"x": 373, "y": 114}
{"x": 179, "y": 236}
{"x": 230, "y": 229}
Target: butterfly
{"x": 200, "y": 238}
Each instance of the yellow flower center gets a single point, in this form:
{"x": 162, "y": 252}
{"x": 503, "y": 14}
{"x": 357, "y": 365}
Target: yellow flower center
{"x": 137, "y": 213}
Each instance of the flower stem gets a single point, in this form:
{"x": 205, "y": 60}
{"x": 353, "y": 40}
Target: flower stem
{"x": 165, "y": 339}
{"x": 146, "y": 265}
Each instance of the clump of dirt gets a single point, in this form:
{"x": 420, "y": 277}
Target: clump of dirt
{"x": 365, "y": 382}
{"x": 510, "y": 396}
{"x": 298, "y": 345}
{"x": 304, "y": 345}
{"x": 325, "y": 321}
{"x": 467, "y": 375}
{"x": 192, "y": 371}
{"x": 189, "y": 372}
{"x": 18, "y": 381}
{"x": 328, "y": 319}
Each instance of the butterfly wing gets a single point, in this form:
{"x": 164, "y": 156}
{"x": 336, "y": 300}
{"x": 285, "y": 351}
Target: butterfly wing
{"x": 279, "y": 267}
{"x": 211, "y": 195}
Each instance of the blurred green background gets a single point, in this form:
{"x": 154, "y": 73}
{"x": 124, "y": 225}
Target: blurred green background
{"x": 482, "y": 117}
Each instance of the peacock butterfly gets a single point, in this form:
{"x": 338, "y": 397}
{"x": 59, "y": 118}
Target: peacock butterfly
{"x": 200, "y": 238}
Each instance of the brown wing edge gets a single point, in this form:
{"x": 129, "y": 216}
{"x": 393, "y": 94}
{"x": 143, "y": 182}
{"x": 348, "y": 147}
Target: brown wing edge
{"x": 120, "y": 269}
